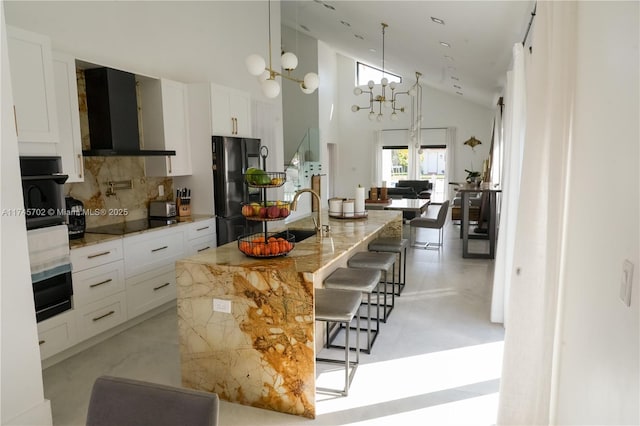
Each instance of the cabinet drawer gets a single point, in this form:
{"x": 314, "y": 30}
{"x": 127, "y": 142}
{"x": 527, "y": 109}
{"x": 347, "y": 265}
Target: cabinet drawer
{"x": 148, "y": 251}
{"x": 91, "y": 256}
{"x": 102, "y": 315}
{"x": 151, "y": 289}
{"x": 57, "y": 334}
{"x": 96, "y": 283}
{"x": 200, "y": 229}
{"x": 198, "y": 245}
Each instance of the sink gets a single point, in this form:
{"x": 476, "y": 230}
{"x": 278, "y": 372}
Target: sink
{"x": 298, "y": 234}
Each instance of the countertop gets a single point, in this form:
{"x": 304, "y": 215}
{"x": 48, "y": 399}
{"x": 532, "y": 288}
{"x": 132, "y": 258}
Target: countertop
{"x": 91, "y": 239}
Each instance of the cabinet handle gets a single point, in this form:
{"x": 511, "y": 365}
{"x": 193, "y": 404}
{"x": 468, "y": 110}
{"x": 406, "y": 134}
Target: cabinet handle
{"x": 41, "y": 342}
{"x": 202, "y": 229}
{"x": 204, "y": 248}
{"x": 104, "y": 316}
{"x": 104, "y": 253}
{"x": 100, "y": 283}
{"x": 233, "y": 126}
{"x": 236, "y": 121}
{"x": 161, "y": 286}
{"x": 159, "y": 248}
{"x": 169, "y": 163}
{"x": 81, "y": 162}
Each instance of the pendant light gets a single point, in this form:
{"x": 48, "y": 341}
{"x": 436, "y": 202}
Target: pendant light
{"x": 257, "y": 66}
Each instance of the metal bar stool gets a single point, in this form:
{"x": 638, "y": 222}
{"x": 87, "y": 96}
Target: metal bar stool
{"x": 394, "y": 245}
{"x": 339, "y": 306}
{"x": 382, "y": 262}
{"x": 362, "y": 282}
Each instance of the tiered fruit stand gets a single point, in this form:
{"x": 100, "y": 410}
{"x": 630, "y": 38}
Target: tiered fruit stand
{"x": 265, "y": 244}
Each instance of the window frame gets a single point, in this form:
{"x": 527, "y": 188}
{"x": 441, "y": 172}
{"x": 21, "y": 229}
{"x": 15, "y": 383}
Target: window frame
{"x": 397, "y": 78}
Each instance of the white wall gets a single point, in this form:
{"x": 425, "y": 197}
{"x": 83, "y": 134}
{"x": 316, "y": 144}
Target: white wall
{"x": 357, "y": 134}
{"x": 21, "y": 379}
{"x": 598, "y": 379}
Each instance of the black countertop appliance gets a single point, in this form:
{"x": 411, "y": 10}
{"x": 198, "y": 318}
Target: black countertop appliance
{"x": 75, "y": 218}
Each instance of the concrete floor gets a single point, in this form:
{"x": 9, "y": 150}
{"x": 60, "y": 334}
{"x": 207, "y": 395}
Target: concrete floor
{"x": 436, "y": 361}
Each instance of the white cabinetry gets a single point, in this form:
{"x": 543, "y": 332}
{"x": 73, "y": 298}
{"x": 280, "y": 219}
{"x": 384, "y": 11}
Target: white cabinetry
{"x": 57, "y": 334}
{"x": 150, "y": 268}
{"x": 165, "y": 125}
{"x": 70, "y": 145}
{"x": 200, "y": 236}
{"x": 230, "y": 112}
{"x": 98, "y": 288}
{"x": 32, "y": 82}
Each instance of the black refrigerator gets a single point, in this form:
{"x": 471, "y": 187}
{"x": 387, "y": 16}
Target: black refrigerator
{"x": 232, "y": 156}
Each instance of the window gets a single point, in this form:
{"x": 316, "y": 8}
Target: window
{"x": 395, "y": 163}
{"x": 366, "y": 73}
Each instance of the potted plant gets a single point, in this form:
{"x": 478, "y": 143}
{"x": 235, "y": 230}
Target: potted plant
{"x": 472, "y": 176}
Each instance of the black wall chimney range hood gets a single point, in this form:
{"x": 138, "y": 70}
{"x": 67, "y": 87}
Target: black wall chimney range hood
{"x": 113, "y": 115}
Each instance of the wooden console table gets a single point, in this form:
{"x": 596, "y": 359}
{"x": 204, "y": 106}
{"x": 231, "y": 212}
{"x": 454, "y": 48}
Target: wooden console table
{"x": 492, "y": 230}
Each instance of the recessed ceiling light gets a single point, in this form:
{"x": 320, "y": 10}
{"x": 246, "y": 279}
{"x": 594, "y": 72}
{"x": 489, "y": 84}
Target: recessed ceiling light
{"x": 456, "y": 86}
{"x": 328, "y": 6}
{"x": 448, "y": 57}
{"x": 445, "y": 44}
{"x": 453, "y": 77}
{"x": 358, "y": 36}
{"x": 304, "y": 27}
{"x": 437, "y": 20}
{"x": 372, "y": 50}
{"x": 459, "y": 93}
{"x": 345, "y": 23}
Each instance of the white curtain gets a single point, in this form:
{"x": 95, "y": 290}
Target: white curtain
{"x": 450, "y": 161}
{"x": 526, "y": 390}
{"x": 514, "y": 132}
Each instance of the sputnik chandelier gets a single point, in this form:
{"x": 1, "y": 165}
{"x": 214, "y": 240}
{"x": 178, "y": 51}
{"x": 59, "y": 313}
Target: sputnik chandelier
{"x": 381, "y": 99}
{"x": 267, "y": 76}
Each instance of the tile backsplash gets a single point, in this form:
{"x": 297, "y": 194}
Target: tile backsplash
{"x": 101, "y": 208}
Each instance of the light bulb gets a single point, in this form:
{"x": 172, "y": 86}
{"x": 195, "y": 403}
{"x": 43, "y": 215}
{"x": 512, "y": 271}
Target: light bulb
{"x": 420, "y": 151}
{"x": 355, "y": 108}
{"x": 264, "y": 76}
{"x": 384, "y": 82}
{"x": 371, "y": 84}
{"x": 386, "y": 104}
{"x": 392, "y": 85}
{"x": 311, "y": 81}
{"x": 305, "y": 90}
{"x": 394, "y": 116}
{"x": 289, "y": 61}
{"x": 372, "y": 116}
{"x": 379, "y": 117}
{"x": 270, "y": 88}
{"x": 255, "y": 64}
{"x": 357, "y": 91}
{"x": 412, "y": 91}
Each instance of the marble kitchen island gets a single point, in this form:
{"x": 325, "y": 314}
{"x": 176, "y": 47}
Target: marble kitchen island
{"x": 262, "y": 353}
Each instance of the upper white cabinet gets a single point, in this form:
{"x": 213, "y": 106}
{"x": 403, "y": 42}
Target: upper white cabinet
{"x": 230, "y": 112}
{"x": 32, "y": 82}
{"x": 165, "y": 109}
{"x": 70, "y": 145}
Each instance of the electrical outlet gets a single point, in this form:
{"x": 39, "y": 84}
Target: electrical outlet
{"x": 220, "y": 305}
{"x": 160, "y": 190}
{"x": 626, "y": 282}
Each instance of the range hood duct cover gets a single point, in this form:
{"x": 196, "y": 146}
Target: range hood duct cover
{"x": 113, "y": 114}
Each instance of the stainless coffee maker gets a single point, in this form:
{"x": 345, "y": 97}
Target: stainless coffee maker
{"x": 75, "y": 218}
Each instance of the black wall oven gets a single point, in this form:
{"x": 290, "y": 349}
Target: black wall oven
{"x": 48, "y": 237}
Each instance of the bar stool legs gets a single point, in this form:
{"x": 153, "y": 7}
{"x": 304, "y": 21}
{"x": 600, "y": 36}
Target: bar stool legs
{"x": 339, "y": 306}
{"x": 361, "y": 281}
{"x": 394, "y": 245}
{"x": 383, "y": 262}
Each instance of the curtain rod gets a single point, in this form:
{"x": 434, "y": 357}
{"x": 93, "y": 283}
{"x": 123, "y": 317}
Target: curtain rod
{"x": 533, "y": 15}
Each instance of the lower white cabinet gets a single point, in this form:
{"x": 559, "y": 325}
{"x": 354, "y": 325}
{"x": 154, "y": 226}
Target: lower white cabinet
{"x": 121, "y": 279}
{"x": 102, "y": 315}
{"x": 57, "y": 334}
{"x": 150, "y": 289}
{"x": 146, "y": 251}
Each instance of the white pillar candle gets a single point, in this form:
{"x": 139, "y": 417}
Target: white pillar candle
{"x": 335, "y": 206}
{"x": 359, "y": 201}
{"x": 347, "y": 208}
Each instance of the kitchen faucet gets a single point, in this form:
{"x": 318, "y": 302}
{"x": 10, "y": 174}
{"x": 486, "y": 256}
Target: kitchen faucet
{"x": 294, "y": 205}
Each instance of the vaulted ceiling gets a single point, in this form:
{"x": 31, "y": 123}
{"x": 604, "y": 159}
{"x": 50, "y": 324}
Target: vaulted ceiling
{"x": 479, "y": 35}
